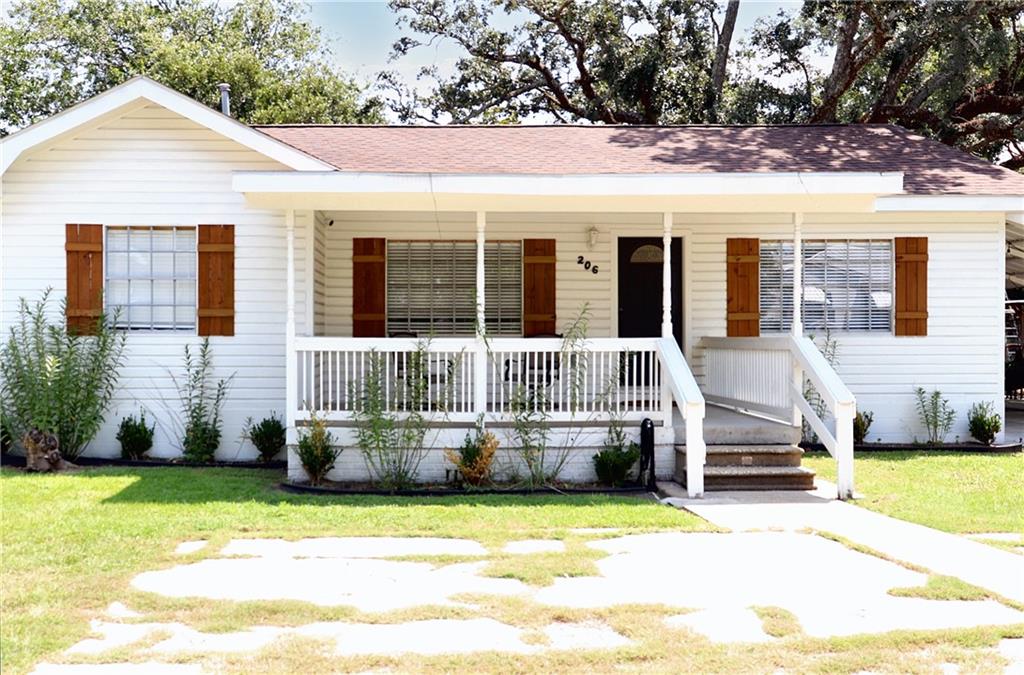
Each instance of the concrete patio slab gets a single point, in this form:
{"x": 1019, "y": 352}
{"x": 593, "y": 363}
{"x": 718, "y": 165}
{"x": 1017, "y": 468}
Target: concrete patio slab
{"x": 737, "y": 571}
{"x": 367, "y": 584}
{"x": 723, "y": 625}
{"x": 527, "y": 546}
{"x": 999, "y": 571}
{"x": 353, "y": 547}
{"x": 189, "y": 547}
{"x": 1013, "y": 651}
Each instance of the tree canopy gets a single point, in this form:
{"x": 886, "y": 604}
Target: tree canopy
{"x": 55, "y": 53}
{"x": 951, "y": 69}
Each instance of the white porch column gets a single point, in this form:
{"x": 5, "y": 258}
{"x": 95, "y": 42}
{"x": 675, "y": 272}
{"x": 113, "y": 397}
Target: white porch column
{"x": 798, "y": 274}
{"x": 309, "y": 279}
{"x": 480, "y": 355}
{"x": 666, "y": 276}
{"x": 291, "y": 379}
{"x": 481, "y": 279}
{"x": 798, "y": 324}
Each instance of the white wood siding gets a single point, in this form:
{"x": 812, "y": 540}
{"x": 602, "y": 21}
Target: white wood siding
{"x": 152, "y": 167}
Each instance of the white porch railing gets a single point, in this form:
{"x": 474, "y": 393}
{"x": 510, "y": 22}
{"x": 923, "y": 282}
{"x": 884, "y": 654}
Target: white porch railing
{"x": 456, "y": 380}
{"x": 766, "y": 375}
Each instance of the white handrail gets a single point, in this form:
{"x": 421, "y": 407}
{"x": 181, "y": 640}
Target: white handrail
{"x": 679, "y": 381}
{"x": 809, "y": 362}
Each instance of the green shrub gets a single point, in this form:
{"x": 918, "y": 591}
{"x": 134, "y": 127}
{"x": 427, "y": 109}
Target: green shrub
{"x": 861, "y": 424}
{"x": 615, "y": 461}
{"x": 58, "y": 382}
{"x": 936, "y": 415}
{"x": 268, "y": 436}
{"x": 201, "y": 399}
{"x": 394, "y": 445}
{"x": 614, "y": 464}
{"x": 136, "y": 438}
{"x": 316, "y": 450}
{"x": 984, "y": 423}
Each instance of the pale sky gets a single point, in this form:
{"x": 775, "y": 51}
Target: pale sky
{"x": 360, "y": 34}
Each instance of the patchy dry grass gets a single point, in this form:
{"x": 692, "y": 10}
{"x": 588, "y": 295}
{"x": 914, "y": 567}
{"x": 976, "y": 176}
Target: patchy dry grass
{"x": 940, "y": 587}
{"x": 778, "y": 622}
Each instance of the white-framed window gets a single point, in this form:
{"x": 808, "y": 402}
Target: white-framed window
{"x": 151, "y": 277}
{"x": 847, "y": 285}
{"x": 431, "y": 287}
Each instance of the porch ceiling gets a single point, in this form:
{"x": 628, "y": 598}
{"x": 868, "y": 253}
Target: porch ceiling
{"x": 709, "y": 193}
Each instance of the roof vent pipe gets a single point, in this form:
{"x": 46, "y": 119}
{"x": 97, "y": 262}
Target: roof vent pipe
{"x": 225, "y": 98}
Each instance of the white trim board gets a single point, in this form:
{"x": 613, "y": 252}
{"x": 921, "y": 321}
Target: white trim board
{"x": 796, "y": 183}
{"x": 139, "y": 88}
{"x": 1008, "y": 203}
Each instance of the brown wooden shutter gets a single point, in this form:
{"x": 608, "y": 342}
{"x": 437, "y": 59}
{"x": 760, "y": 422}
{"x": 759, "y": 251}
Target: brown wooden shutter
{"x": 369, "y": 287}
{"x": 216, "y": 279}
{"x": 538, "y": 287}
{"x": 743, "y": 263}
{"x": 911, "y": 285}
{"x": 84, "y": 247}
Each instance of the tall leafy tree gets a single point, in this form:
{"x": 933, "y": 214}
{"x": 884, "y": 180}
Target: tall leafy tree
{"x": 55, "y": 53}
{"x": 952, "y": 69}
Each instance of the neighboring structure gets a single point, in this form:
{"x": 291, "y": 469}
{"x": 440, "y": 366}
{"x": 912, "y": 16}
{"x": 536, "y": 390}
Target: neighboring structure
{"x": 299, "y": 249}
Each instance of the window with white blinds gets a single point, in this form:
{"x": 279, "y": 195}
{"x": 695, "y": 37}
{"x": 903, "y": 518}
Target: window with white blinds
{"x": 431, "y": 287}
{"x": 847, "y": 285}
{"x": 151, "y": 277}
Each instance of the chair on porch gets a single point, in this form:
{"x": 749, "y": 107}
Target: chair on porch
{"x": 527, "y": 371}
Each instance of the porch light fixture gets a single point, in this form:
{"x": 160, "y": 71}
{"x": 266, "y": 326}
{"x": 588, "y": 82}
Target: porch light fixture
{"x": 592, "y": 234}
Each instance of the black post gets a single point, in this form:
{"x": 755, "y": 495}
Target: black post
{"x": 647, "y": 454}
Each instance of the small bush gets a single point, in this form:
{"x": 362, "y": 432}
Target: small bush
{"x": 55, "y": 381}
{"x": 474, "y": 458}
{"x": 984, "y": 423}
{"x": 615, "y": 461}
{"x": 613, "y": 465}
{"x": 201, "y": 401}
{"x": 861, "y": 424}
{"x": 936, "y": 415}
{"x": 316, "y": 450}
{"x": 268, "y": 436}
{"x": 136, "y": 438}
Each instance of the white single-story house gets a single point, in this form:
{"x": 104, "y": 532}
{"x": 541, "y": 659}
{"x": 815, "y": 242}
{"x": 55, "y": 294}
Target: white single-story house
{"x": 706, "y": 258}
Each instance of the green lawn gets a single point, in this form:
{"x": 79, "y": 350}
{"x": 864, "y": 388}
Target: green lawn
{"x": 955, "y": 492}
{"x": 72, "y": 542}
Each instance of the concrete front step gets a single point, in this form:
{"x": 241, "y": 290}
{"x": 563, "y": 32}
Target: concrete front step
{"x": 747, "y": 455}
{"x": 717, "y": 478}
{"x": 750, "y": 467}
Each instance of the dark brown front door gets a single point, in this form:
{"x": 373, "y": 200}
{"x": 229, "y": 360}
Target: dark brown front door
{"x": 640, "y": 286}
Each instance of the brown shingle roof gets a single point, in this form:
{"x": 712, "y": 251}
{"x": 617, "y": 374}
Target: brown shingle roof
{"x": 929, "y": 167}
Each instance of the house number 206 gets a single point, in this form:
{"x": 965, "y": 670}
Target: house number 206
{"x": 587, "y": 265}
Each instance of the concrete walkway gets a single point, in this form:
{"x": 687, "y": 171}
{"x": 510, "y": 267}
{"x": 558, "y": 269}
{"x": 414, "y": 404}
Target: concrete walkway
{"x": 998, "y": 571}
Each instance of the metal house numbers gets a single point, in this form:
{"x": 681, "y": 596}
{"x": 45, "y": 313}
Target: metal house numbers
{"x": 587, "y": 265}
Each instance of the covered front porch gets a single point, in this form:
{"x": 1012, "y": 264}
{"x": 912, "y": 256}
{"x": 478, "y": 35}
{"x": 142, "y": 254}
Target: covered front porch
{"x": 467, "y": 316}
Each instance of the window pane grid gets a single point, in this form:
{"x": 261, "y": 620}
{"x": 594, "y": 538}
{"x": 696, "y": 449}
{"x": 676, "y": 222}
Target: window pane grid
{"x": 847, "y": 285}
{"x": 431, "y": 287}
{"x": 151, "y": 277}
